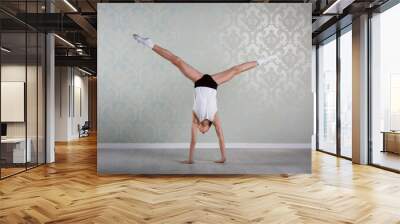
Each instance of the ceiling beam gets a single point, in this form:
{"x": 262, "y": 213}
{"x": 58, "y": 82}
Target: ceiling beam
{"x": 85, "y": 25}
{"x": 84, "y": 61}
{"x": 337, "y": 7}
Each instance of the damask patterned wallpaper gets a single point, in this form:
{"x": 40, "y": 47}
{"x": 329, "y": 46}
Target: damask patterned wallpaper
{"x": 144, "y": 99}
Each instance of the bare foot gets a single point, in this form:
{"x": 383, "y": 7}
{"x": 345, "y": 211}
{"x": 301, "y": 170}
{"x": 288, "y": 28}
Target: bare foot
{"x": 187, "y": 162}
{"x": 220, "y": 161}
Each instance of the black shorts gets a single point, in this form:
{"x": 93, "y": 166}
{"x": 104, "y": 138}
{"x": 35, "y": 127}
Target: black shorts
{"x": 206, "y": 81}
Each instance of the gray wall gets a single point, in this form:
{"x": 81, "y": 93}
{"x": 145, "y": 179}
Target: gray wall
{"x": 144, "y": 99}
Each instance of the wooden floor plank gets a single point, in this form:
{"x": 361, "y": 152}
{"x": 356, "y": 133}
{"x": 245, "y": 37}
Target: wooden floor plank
{"x": 70, "y": 191}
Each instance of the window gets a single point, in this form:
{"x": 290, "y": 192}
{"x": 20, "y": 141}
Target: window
{"x": 327, "y": 96}
{"x": 346, "y": 93}
{"x": 22, "y": 77}
{"x": 385, "y": 89}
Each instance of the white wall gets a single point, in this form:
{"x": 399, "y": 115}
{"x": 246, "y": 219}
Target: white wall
{"x": 68, "y": 83}
{"x": 62, "y": 80}
{"x": 80, "y": 83}
{"x": 15, "y": 72}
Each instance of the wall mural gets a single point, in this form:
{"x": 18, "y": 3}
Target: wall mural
{"x": 144, "y": 101}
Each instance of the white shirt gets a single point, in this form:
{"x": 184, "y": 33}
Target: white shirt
{"x": 205, "y": 103}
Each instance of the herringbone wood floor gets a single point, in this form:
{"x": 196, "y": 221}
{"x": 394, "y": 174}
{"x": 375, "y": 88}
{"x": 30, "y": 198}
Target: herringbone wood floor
{"x": 70, "y": 191}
